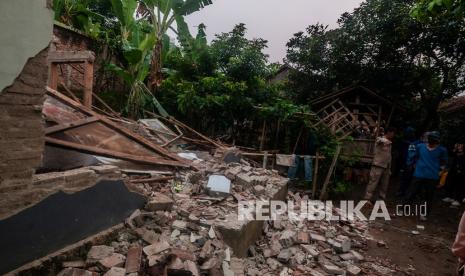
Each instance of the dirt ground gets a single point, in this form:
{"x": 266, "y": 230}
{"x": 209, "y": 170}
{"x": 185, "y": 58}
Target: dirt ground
{"x": 427, "y": 253}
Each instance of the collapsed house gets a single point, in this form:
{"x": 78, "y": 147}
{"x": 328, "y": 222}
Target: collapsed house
{"x": 87, "y": 192}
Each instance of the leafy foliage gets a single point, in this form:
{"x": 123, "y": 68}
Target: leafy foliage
{"x": 431, "y": 9}
{"x": 381, "y": 46}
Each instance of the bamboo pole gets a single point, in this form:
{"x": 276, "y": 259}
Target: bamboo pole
{"x": 330, "y": 172}
{"x": 315, "y": 175}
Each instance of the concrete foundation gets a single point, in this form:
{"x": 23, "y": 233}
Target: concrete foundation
{"x": 240, "y": 235}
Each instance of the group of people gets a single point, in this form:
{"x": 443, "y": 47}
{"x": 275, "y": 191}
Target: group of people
{"x": 425, "y": 166}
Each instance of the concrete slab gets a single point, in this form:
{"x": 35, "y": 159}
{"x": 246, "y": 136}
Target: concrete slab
{"x": 63, "y": 219}
{"x": 218, "y": 185}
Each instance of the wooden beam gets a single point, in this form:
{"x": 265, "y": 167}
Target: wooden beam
{"x": 88, "y": 83}
{"x": 71, "y": 94}
{"x": 152, "y": 180}
{"x": 173, "y": 121}
{"x": 120, "y": 129}
{"x": 71, "y": 56}
{"x": 78, "y": 123}
{"x": 53, "y": 79}
{"x": 113, "y": 154}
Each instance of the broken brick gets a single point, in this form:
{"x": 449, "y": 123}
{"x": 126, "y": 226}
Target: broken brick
{"x": 156, "y": 248}
{"x": 114, "y": 260}
{"x": 303, "y": 238}
{"x": 134, "y": 260}
{"x": 160, "y": 202}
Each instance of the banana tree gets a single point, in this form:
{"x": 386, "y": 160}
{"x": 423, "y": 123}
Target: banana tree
{"x": 163, "y": 14}
{"x": 137, "y": 45}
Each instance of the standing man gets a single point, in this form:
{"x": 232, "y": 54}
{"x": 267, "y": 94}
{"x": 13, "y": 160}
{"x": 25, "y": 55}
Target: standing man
{"x": 431, "y": 160}
{"x": 381, "y": 168}
{"x": 408, "y": 158}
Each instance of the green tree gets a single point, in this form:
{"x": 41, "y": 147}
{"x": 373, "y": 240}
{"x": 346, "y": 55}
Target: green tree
{"x": 163, "y": 14}
{"x": 137, "y": 42}
{"x": 431, "y": 9}
{"x": 238, "y": 57}
{"x": 382, "y": 46}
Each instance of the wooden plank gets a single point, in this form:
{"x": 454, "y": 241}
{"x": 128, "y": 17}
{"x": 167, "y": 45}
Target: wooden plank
{"x": 113, "y": 154}
{"x": 105, "y": 104}
{"x": 347, "y": 110}
{"x": 328, "y": 105}
{"x": 74, "y": 97}
{"x": 152, "y": 180}
{"x": 53, "y": 79}
{"x": 74, "y": 124}
{"x": 133, "y": 136}
{"x": 334, "y": 94}
{"x": 330, "y": 172}
{"x": 70, "y": 56}
{"x": 181, "y": 124}
{"x": 88, "y": 83}
{"x": 332, "y": 114}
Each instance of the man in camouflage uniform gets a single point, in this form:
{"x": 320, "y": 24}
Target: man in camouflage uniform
{"x": 381, "y": 167}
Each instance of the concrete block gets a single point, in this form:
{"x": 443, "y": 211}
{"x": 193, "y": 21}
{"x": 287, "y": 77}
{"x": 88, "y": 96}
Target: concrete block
{"x": 160, "y": 202}
{"x": 219, "y": 186}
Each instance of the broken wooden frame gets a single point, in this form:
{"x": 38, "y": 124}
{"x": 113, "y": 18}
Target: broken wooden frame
{"x": 97, "y": 135}
{"x": 66, "y": 57}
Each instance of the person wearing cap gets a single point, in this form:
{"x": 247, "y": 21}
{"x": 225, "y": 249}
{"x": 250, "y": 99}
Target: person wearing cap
{"x": 431, "y": 159}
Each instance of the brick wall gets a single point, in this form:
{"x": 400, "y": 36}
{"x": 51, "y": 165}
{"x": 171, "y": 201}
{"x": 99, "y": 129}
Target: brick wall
{"x": 21, "y": 131}
{"x": 66, "y": 39}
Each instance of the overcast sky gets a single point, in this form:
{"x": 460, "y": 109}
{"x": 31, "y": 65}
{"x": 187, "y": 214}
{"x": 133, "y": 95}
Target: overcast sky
{"x": 273, "y": 20}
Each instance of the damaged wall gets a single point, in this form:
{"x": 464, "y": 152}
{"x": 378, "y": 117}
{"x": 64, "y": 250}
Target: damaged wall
{"x": 27, "y": 30}
{"x": 21, "y": 123}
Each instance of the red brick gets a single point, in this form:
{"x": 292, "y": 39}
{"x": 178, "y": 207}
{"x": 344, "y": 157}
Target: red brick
{"x": 134, "y": 260}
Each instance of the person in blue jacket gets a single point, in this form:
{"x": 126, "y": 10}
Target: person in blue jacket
{"x": 431, "y": 159}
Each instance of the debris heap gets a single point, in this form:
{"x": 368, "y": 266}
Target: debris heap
{"x": 190, "y": 227}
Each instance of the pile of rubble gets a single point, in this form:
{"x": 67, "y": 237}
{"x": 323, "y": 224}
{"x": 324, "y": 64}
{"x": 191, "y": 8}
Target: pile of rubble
{"x": 191, "y": 227}
{"x": 315, "y": 248}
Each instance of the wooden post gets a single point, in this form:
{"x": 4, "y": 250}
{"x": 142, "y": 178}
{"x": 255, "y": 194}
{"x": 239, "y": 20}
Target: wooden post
{"x": 330, "y": 172}
{"x": 315, "y": 175}
{"x": 88, "y": 83}
{"x": 53, "y": 81}
{"x": 265, "y": 160}
{"x": 262, "y": 141}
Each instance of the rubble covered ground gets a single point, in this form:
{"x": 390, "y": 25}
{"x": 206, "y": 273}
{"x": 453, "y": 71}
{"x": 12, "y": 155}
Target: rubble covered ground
{"x": 180, "y": 232}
